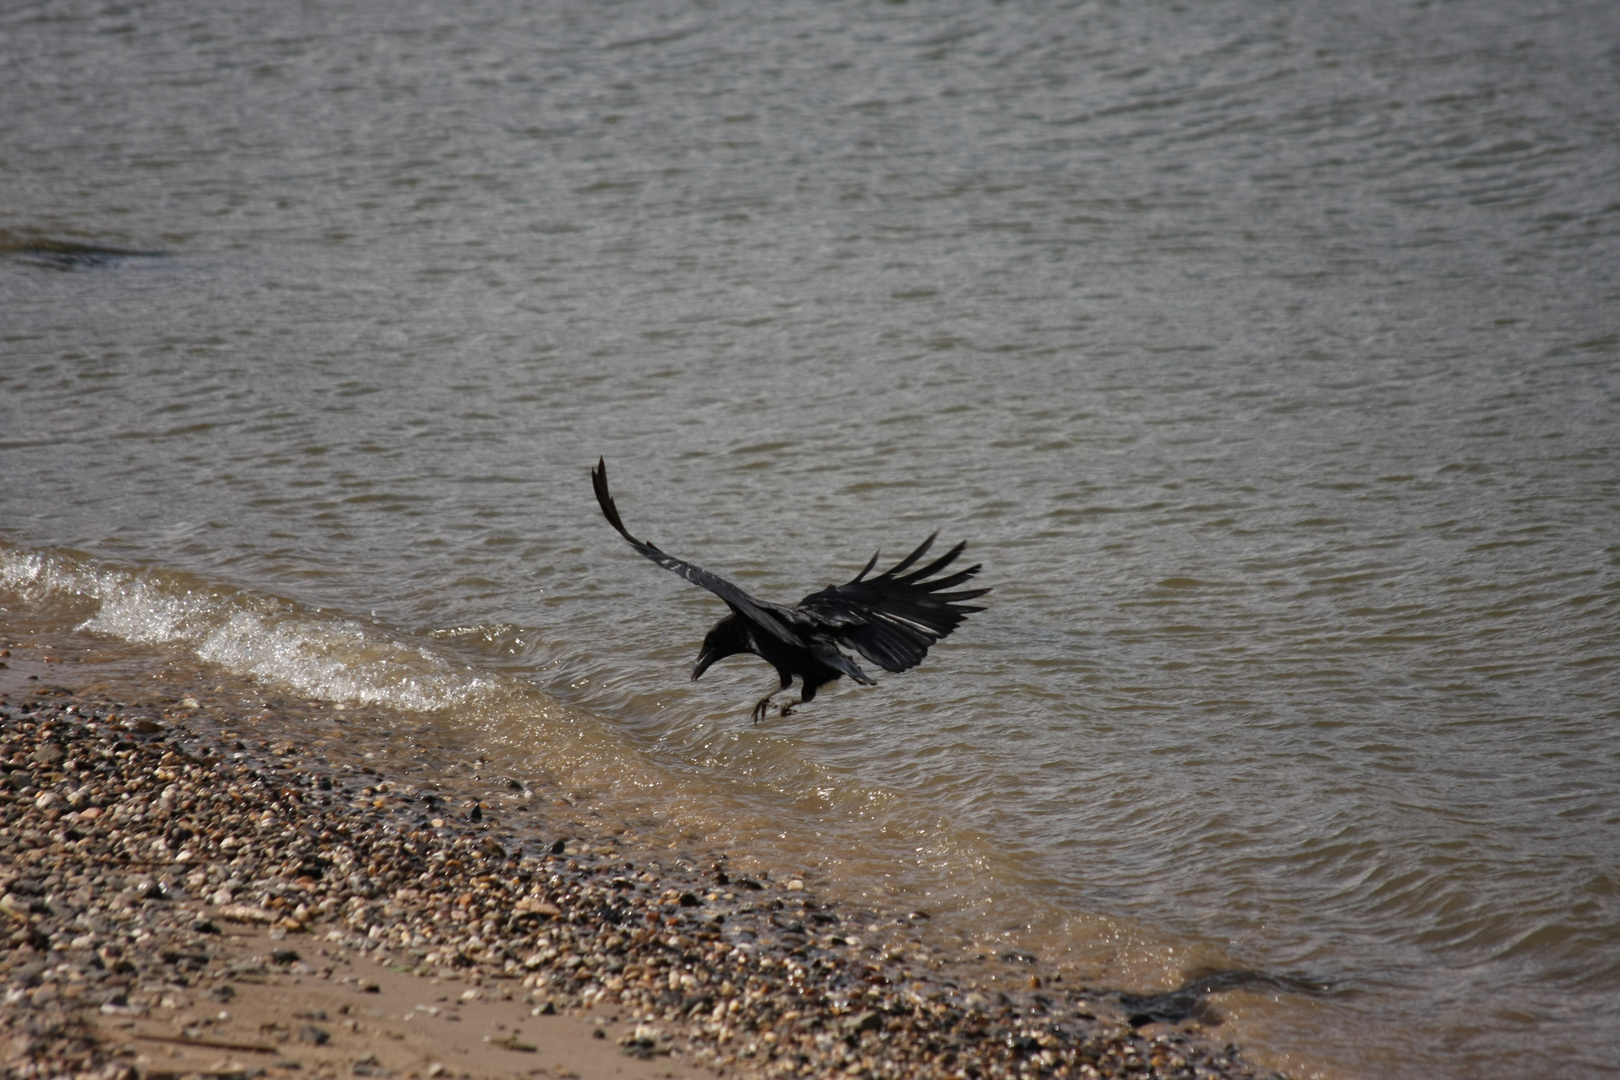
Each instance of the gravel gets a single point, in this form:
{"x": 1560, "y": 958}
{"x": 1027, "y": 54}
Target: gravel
{"x": 129, "y": 834}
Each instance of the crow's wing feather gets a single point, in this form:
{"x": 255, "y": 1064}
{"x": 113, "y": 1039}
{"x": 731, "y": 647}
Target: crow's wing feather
{"x": 829, "y": 654}
{"x": 892, "y": 619}
{"x": 769, "y": 617}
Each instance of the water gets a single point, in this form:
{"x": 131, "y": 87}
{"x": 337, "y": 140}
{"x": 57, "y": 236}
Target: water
{"x": 1267, "y": 355}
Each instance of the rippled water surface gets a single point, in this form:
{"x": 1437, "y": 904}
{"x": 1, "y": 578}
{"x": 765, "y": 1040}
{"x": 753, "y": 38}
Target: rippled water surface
{"x": 1268, "y": 356}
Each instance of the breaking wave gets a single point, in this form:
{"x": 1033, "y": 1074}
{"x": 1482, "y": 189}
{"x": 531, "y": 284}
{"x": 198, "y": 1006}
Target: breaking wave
{"x": 319, "y": 654}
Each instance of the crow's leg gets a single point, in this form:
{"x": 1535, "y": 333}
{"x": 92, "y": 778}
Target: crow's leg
{"x": 761, "y": 705}
{"x": 764, "y": 702}
{"x": 787, "y": 710}
{"x": 807, "y": 694}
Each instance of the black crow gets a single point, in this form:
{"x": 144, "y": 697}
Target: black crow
{"x": 891, "y": 619}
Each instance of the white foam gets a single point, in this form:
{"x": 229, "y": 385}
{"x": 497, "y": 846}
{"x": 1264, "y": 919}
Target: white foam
{"x": 320, "y": 655}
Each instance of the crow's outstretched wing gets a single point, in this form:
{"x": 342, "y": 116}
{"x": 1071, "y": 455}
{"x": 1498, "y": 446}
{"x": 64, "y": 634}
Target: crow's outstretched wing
{"x": 768, "y": 617}
{"x": 893, "y": 618}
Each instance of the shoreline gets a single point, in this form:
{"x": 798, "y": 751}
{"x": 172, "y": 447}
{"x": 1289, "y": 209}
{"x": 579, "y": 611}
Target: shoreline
{"x": 168, "y": 860}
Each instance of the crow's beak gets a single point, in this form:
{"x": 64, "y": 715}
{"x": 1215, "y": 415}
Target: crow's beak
{"x": 705, "y": 658}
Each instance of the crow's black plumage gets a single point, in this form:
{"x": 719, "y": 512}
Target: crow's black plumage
{"x": 891, "y": 619}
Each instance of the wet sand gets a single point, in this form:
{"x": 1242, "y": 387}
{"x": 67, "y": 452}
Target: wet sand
{"x": 196, "y": 882}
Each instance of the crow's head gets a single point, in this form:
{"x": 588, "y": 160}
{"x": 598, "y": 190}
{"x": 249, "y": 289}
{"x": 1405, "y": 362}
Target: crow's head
{"x": 728, "y": 637}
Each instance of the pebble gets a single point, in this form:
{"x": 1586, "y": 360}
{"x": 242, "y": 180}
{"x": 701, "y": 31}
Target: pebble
{"x": 107, "y": 855}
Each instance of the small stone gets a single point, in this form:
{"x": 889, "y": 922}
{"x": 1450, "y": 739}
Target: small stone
{"x": 246, "y": 913}
{"x": 870, "y": 1020}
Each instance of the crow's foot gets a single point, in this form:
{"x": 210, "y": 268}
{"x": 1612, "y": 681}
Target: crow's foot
{"x": 787, "y": 710}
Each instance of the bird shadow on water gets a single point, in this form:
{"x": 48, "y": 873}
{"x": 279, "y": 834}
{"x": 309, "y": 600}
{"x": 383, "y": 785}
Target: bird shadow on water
{"x": 67, "y": 254}
{"x": 1190, "y": 1000}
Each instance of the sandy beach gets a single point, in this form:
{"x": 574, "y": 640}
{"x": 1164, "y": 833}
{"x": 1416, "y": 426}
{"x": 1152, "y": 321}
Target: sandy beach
{"x": 195, "y": 884}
